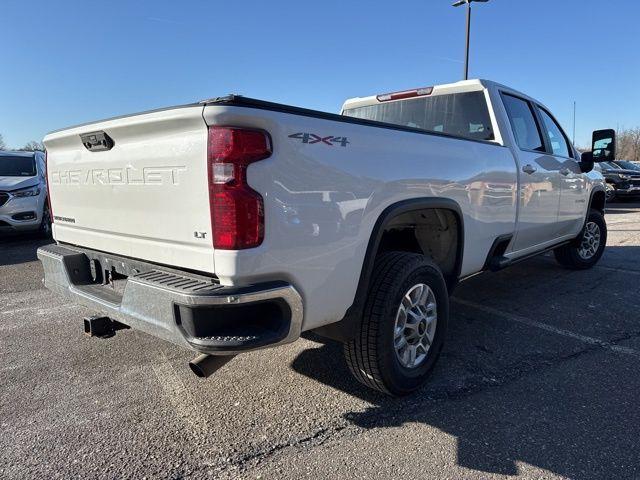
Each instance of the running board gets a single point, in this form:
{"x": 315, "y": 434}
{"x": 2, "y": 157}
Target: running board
{"x": 502, "y": 262}
{"x": 496, "y": 259}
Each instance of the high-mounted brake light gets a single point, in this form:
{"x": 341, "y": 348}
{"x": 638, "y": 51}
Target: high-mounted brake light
{"x": 237, "y": 211}
{"x": 418, "y": 92}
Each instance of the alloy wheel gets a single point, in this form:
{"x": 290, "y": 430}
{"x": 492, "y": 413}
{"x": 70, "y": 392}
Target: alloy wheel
{"x": 590, "y": 241}
{"x": 415, "y": 326}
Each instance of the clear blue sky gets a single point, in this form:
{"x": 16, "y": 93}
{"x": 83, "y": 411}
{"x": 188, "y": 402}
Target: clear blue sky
{"x": 67, "y": 62}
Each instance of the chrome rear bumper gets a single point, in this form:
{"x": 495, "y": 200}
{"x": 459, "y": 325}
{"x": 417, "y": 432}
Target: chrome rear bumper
{"x": 183, "y": 308}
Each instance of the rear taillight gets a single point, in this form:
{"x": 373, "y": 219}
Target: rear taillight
{"x": 237, "y": 211}
{"x": 46, "y": 180}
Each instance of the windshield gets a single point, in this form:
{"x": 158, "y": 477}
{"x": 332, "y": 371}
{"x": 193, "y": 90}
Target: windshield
{"x": 628, "y": 165}
{"x": 461, "y": 114}
{"x": 13, "y": 166}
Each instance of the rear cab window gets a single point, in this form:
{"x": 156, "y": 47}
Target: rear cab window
{"x": 463, "y": 114}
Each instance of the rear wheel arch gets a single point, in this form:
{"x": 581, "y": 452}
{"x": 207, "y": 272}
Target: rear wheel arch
{"x": 345, "y": 328}
{"x": 395, "y": 353}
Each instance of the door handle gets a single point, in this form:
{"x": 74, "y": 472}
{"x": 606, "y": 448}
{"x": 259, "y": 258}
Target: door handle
{"x": 565, "y": 171}
{"x": 528, "y": 168}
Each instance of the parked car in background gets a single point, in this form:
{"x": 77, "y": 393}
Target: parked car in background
{"x": 610, "y": 189}
{"x": 23, "y": 193}
{"x": 620, "y": 182}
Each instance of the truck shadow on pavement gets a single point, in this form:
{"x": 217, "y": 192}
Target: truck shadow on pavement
{"x": 513, "y": 393}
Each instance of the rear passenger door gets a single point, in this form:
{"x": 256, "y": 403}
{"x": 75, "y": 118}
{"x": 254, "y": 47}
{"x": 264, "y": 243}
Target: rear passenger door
{"x": 573, "y": 186}
{"x": 538, "y": 174}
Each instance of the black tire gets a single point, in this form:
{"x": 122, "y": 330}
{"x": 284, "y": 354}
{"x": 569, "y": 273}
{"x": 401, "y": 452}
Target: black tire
{"x": 569, "y": 255}
{"x": 45, "y": 224}
{"x": 371, "y": 356}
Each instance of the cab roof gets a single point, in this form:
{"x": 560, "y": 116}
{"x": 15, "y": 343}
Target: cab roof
{"x": 447, "y": 88}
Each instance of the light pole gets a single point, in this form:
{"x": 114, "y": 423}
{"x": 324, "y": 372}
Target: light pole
{"x": 468, "y": 3}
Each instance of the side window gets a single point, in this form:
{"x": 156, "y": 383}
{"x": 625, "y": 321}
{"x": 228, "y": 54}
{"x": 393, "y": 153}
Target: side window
{"x": 523, "y": 123}
{"x": 557, "y": 140}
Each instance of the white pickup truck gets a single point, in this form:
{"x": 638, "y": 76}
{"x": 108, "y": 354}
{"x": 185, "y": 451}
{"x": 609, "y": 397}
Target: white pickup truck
{"x": 234, "y": 224}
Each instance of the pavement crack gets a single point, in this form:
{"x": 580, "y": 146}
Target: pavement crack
{"x": 385, "y": 413}
{"x": 250, "y": 459}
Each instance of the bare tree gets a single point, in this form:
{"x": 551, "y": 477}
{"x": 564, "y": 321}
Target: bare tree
{"x": 629, "y": 144}
{"x": 3, "y": 146}
{"x": 32, "y": 146}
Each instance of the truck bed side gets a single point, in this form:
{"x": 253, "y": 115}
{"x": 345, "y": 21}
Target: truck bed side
{"x": 322, "y": 198}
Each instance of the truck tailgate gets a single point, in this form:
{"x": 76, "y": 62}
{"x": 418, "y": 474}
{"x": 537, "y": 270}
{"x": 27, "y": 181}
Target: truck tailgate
{"x": 146, "y": 197}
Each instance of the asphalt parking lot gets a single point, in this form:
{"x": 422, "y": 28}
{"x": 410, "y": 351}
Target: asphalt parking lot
{"x": 539, "y": 377}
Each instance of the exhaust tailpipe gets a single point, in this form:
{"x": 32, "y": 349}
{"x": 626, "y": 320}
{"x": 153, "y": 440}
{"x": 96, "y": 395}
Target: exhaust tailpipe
{"x": 206, "y": 365}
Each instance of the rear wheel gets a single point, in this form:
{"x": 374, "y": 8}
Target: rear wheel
{"x": 403, "y": 326}
{"x": 585, "y": 251}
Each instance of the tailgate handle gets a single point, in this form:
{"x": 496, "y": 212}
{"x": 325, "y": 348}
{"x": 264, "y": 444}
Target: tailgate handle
{"x": 97, "y": 141}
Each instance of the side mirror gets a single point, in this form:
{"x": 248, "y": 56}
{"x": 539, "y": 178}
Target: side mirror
{"x": 603, "y": 145}
{"x": 586, "y": 162}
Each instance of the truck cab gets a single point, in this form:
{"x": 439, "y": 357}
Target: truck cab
{"x": 554, "y": 189}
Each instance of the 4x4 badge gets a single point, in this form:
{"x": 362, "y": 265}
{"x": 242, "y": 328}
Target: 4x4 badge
{"x": 312, "y": 138}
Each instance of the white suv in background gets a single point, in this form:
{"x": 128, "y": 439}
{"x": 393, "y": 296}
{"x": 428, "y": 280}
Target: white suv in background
{"x": 23, "y": 193}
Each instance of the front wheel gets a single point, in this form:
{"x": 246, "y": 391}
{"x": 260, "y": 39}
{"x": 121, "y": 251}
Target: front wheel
{"x": 585, "y": 251}
{"x": 403, "y": 325}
